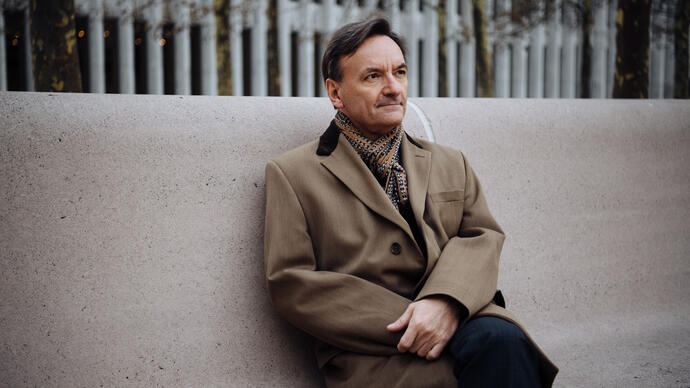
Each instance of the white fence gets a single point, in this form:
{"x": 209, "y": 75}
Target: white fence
{"x": 542, "y": 61}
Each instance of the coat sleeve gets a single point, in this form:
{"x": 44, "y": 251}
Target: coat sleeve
{"x": 346, "y": 311}
{"x": 467, "y": 269}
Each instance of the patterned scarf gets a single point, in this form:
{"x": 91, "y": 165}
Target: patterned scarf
{"x": 381, "y": 156}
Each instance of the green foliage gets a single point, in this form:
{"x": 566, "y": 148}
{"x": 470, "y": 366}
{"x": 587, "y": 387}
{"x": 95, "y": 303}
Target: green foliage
{"x": 632, "y": 49}
{"x": 482, "y": 68}
{"x": 223, "y": 63}
{"x": 54, "y": 46}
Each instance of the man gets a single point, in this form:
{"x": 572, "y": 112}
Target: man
{"x": 382, "y": 247}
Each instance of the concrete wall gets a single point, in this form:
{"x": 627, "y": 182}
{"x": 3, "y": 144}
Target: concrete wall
{"x": 131, "y": 239}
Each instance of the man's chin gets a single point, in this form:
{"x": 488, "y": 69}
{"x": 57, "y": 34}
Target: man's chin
{"x": 393, "y": 118}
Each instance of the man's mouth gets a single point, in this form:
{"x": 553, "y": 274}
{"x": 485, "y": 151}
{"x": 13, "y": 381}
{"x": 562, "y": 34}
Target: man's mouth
{"x": 394, "y": 103}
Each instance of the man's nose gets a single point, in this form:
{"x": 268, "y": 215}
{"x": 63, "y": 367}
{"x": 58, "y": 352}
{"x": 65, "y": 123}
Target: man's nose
{"x": 392, "y": 86}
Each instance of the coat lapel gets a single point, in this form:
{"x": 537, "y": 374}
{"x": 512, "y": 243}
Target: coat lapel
{"x": 348, "y": 167}
{"x": 417, "y": 164}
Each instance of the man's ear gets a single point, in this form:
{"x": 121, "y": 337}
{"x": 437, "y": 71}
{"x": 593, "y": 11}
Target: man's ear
{"x": 333, "y": 89}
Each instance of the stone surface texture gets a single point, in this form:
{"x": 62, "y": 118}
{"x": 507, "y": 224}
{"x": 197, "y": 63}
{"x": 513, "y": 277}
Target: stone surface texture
{"x": 131, "y": 232}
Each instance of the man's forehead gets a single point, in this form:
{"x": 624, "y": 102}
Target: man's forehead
{"x": 376, "y": 51}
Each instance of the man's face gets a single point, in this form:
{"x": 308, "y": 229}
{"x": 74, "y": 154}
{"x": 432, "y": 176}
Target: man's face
{"x": 373, "y": 89}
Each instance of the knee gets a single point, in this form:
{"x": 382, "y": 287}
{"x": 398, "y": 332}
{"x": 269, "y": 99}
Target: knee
{"x": 492, "y": 349}
{"x": 490, "y": 334}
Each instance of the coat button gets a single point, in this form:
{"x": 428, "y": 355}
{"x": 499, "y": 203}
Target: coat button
{"x": 395, "y": 248}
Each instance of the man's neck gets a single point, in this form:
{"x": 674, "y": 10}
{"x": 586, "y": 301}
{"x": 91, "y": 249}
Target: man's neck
{"x": 372, "y": 136}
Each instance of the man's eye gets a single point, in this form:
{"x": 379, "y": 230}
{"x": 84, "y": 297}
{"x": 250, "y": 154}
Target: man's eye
{"x": 372, "y": 76}
{"x": 402, "y": 72}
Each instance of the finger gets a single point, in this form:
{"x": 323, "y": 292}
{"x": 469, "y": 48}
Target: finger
{"x": 421, "y": 338}
{"x": 407, "y": 339}
{"x": 417, "y": 345}
{"x": 435, "y": 352}
{"x": 424, "y": 349}
{"x": 401, "y": 322}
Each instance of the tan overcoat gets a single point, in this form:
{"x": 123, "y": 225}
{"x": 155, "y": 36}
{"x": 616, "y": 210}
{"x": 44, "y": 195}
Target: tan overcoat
{"x": 342, "y": 263}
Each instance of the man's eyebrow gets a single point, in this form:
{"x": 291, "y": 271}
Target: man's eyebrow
{"x": 372, "y": 69}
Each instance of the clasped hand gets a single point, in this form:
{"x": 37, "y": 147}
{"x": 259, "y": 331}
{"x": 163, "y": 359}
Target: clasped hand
{"x": 430, "y": 324}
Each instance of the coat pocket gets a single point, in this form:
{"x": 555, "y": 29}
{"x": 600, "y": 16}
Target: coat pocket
{"x": 448, "y": 196}
{"x": 449, "y": 204}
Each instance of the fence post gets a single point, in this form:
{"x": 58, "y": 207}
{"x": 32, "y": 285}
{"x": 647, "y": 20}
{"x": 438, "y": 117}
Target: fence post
{"x": 552, "y": 72}
{"x": 430, "y": 54}
{"x": 394, "y": 14}
{"x": 502, "y": 53}
{"x": 305, "y": 51}
{"x": 657, "y": 58}
{"x": 535, "y": 88}
{"x": 669, "y": 79}
{"x": 236, "y": 47}
{"x": 259, "y": 48}
{"x": 467, "y": 50}
{"x": 329, "y": 22}
{"x": 125, "y": 49}
{"x": 209, "y": 74}
{"x": 154, "y": 52}
{"x": 96, "y": 48}
{"x": 284, "y": 56}
{"x": 412, "y": 37}
{"x": 451, "y": 7}
{"x": 183, "y": 60}
{"x": 611, "y": 66}
{"x": 519, "y": 72}
{"x": 599, "y": 57}
{"x": 569, "y": 73}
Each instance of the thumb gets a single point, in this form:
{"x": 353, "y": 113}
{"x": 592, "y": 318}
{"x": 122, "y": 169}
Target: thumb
{"x": 401, "y": 322}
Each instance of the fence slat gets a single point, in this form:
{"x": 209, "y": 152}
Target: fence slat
{"x": 553, "y": 53}
{"x": 125, "y": 48}
{"x": 236, "y": 47}
{"x": 599, "y": 46}
{"x": 430, "y": 54}
{"x": 154, "y": 51}
{"x": 96, "y": 48}
{"x": 467, "y": 50}
{"x": 259, "y": 47}
{"x": 183, "y": 58}
{"x": 209, "y": 75}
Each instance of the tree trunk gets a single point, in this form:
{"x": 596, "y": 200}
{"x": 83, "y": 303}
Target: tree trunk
{"x": 54, "y": 46}
{"x": 485, "y": 87}
{"x": 586, "y": 65}
{"x": 682, "y": 23}
{"x": 632, "y": 49}
{"x": 273, "y": 62}
{"x": 442, "y": 72}
{"x": 223, "y": 65}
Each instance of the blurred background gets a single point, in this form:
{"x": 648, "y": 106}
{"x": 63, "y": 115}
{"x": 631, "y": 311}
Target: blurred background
{"x": 456, "y": 48}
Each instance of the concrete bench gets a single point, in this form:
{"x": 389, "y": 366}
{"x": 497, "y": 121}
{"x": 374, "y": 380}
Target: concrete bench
{"x": 131, "y": 243}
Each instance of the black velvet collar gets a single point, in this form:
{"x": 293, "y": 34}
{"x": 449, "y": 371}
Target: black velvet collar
{"x": 329, "y": 140}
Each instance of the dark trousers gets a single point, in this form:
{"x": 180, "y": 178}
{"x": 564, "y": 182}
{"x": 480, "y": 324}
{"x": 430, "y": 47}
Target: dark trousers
{"x": 492, "y": 352}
